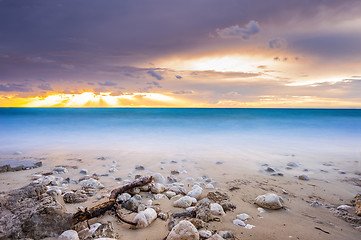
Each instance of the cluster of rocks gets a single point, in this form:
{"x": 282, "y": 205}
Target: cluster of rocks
{"x": 17, "y": 165}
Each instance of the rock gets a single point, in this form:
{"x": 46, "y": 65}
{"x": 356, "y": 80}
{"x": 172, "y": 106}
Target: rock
{"x": 189, "y": 179}
{"x": 88, "y": 232}
{"x": 75, "y": 197}
{"x": 163, "y": 216}
{"x": 157, "y": 188}
{"x": 51, "y": 190}
{"x": 203, "y": 210}
{"x": 205, "y": 234}
{"x": 216, "y": 209}
{"x": 105, "y": 230}
{"x": 119, "y": 179}
{"x": 170, "y": 194}
{"x": 243, "y": 216}
{"x": 261, "y": 210}
{"x": 209, "y": 186}
{"x": 269, "y": 201}
{"x": 270, "y": 170}
{"x": 15, "y": 165}
{"x": 198, "y": 223}
{"x": 123, "y": 197}
{"x": 217, "y": 197}
{"x": 133, "y": 203}
{"x": 60, "y": 170}
{"x": 219, "y": 163}
{"x": 145, "y": 188}
{"x": 292, "y": 164}
{"x": 69, "y": 235}
{"x": 344, "y": 207}
{"x": 91, "y": 183}
{"x": 239, "y": 222}
{"x": 226, "y": 234}
{"x": 190, "y": 209}
{"x": 134, "y": 191}
{"x": 227, "y": 205}
{"x": 83, "y": 171}
{"x": 159, "y": 196}
{"x": 178, "y": 190}
{"x": 342, "y": 172}
{"x": 145, "y": 218}
{"x": 196, "y": 191}
{"x": 111, "y": 170}
{"x": 184, "y": 230}
{"x": 185, "y": 202}
{"x": 139, "y": 167}
{"x": 249, "y": 226}
{"x": 175, "y": 172}
{"x": 101, "y": 158}
{"x": 158, "y": 178}
{"x": 29, "y": 212}
{"x": 171, "y": 179}
{"x": 303, "y": 177}
{"x": 216, "y": 237}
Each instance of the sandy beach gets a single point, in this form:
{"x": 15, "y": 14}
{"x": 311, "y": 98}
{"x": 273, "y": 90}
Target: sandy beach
{"x": 307, "y": 204}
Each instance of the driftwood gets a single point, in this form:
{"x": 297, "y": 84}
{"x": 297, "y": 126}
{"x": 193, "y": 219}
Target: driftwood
{"x": 100, "y": 209}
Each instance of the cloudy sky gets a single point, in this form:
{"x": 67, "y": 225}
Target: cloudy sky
{"x": 189, "y": 53}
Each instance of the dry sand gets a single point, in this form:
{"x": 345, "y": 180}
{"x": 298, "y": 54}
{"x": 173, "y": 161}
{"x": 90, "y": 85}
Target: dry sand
{"x": 298, "y": 220}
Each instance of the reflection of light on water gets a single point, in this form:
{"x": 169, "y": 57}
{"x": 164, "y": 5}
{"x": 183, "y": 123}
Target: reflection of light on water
{"x": 90, "y": 99}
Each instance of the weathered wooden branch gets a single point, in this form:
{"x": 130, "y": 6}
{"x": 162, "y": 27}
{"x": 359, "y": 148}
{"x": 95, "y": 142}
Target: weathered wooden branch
{"x": 100, "y": 209}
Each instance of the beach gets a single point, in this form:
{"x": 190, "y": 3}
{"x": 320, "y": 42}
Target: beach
{"x": 240, "y": 158}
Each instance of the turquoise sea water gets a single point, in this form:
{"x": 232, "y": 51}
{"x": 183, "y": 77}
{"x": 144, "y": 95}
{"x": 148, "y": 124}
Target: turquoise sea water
{"x": 202, "y": 133}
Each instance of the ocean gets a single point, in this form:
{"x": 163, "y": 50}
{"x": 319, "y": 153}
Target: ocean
{"x": 248, "y": 136}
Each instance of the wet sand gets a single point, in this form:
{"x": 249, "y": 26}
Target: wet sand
{"x": 242, "y": 182}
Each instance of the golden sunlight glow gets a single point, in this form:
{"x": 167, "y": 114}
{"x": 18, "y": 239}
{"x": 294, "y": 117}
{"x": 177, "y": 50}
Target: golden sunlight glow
{"x": 90, "y": 99}
{"x": 227, "y": 63}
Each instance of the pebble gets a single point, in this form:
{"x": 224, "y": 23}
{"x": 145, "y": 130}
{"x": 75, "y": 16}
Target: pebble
{"x": 217, "y": 209}
{"x": 83, "y": 171}
{"x": 139, "y": 167}
{"x": 178, "y": 190}
{"x": 158, "y": 178}
{"x": 243, "y": 216}
{"x": 52, "y": 189}
{"x": 75, "y": 197}
{"x": 344, "y": 207}
{"x": 69, "y": 235}
{"x": 195, "y": 192}
{"x": 303, "y": 177}
{"x": 159, "y": 196}
{"x": 123, "y": 197}
{"x": 205, "y": 233}
{"x": 60, "y": 170}
{"x": 226, "y": 234}
{"x": 219, "y": 163}
{"x": 163, "y": 216}
{"x": 216, "y": 237}
{"x": 269, "y": 201}
{"x": 145, "y": 218}
{"x": 249, "y": 226}
{"x": 270, "y": 169}
{"x": 157, "y": 188}
{"x": 175, "y": 172}
{"x": 341, "y": 172}
{"x": 133, "y": 203}
{"x": 292, "y": 164}
{"x": 111, "y": 170}
{"x": 184, "y": 230}
{"x": 239, "y": 222}
{"x": 119, "y": 179}
{"x": 170, "y": 194}
{"x": 190, "y": 209}
{"x": 185, "y": 202}
{"x": 261, "y": 210}
{"x": 189, "y": 179}
{"x": 209, "y": 186}
{"x": 91, "y": 183}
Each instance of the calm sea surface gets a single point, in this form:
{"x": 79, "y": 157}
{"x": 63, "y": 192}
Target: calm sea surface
{"x": 195, "y": 133}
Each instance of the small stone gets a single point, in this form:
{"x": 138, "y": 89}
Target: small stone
{"x": 189, "y": 179}
{"x": 134, "y": 191}
{"x": 159, "y": 196}
{"x": 51, "y": 190}
{"x": 83, "y": 171}
{"x": 88, "y": 232}
{"x": 149, "y": 203}
{"x": 209, "y": 186}
{"x": 184, "y": 230}
{"x": 249, "y": 226}
{"x": 239, "y": 222}
{"x": 226, "y": 234}
{"x": 123, "y": 197}
{"x": 198, "y": 223}
{"x": 171, "y": 179}
{"x": 292, "y": 164}
{"x": 158, "y": 178}
{"x": 133, "y": 203}
{"x": 178, "y": 190}
{"x": 216, "y": 209}
{"x": 344, "y": 207}
{"x": 219, "y": 163}
{"x": 205, "y": 234}
{"x": 75, "y": 197}
{"x": 303, "y": 177}
{"x": 60, "y": 170}
{"x": 227, "y": 205}
{"x": 217, "y": 196}
{"x": 328, "y": 164}
{"x": 170, "y": 194}
{"x": 162, "y": 216}
{"x": 111, "y": 170}
{"x": 341, "y": 172}
{"x": 190, "y": 209}
{"x": 69, "y": 235}
{"x": 175, "y": 172}
{"x": 243, "y": 216}
{"x": 269, "y": 201}
{"x": 269, "y": 169}
{"x": 119, "y": 179}
{"x": 157, "y": 188}
{"x": 173, "y": 161}
{"x": 91, "y": 183}
{"x": 203, "y": 210}
{"x": 139, "y": 167}
{"x": 185, "y": 202}
{"x": 101, "y": 158}
{"x": 196, "y": 191}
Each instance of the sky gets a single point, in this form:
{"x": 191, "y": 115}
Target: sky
{"x": 186, "y": 53}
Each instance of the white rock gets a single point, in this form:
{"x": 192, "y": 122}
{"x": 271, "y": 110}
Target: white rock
{"x": 159, "y": 196}
{"x": 243, "y": 216}
{"x": 170, "y": 194}
{"x": 145, "y": 218}
{"x": 205, "y": 234}
{"x": 261, "y": 210}
{"x": 60, "y": 170}
{"x": 209, "y": 186}
{"x": 123, "y": 197}
{"x": 112, "y": 170}
{"x": 149, "y": 203}
{"x": 196, "y": 191}
{"x": 88, "y": 232}
{"x": 178, "y": 190}
{"x": 217, "y": 209}
{"x": 190, "y": 209}
{"x": 91, "y": 183}
{"x": 157, "y": 188}
{"x": 184, "y": 230}
{"x": 46, "y": 180}
{"x": 189, "y": 179}
{"x": 69, "y": 235}
{"x": 185, "y": 202}
{"x": 53, "y": 189}
{"x": 239, "y": 222}
{"x": 158, "y": 178}
{"x": 344, "y": 207}
{"x": 269, "y": 201}
{"x": 249, "y": 226}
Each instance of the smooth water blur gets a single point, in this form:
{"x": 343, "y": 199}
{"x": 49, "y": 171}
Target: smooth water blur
{"x": 247, "y": 134}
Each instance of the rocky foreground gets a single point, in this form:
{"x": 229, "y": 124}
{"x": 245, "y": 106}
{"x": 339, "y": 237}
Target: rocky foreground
{"x": 39, "y": 210}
